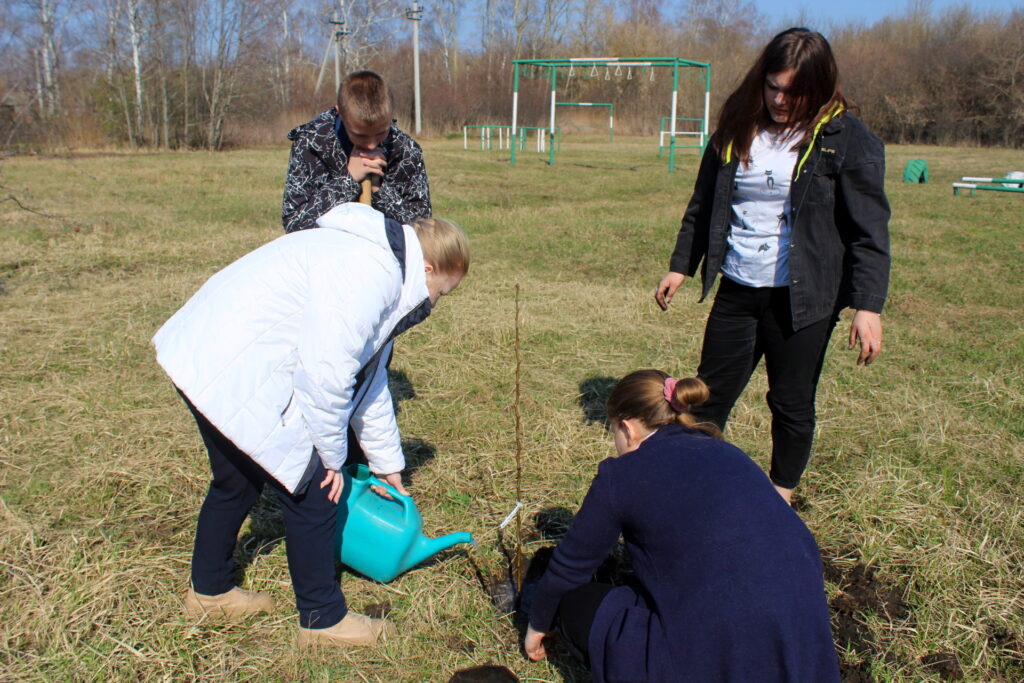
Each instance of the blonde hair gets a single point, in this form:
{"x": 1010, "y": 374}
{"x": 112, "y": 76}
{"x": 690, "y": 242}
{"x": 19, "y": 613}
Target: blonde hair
{"x": 445, "y": 246}
{"x": 364, "y": 98}
{"x": 640, "y": 395}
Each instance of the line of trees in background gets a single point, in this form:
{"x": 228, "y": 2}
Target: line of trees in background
{"x": 211, "y": 74}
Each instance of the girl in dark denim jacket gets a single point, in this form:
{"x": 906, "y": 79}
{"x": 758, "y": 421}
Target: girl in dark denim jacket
{"x": 789, "y": 206}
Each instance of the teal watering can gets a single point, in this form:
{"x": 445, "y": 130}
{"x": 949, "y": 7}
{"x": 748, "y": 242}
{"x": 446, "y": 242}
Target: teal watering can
{"x": 382, "y": 538}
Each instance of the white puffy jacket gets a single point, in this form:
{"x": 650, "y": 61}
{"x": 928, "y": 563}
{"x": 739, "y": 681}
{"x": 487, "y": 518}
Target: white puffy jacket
{"x": 269, "y": 348}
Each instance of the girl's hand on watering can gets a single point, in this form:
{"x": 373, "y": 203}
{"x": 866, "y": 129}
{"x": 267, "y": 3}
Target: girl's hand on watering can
{"x": 336, "y": 482}
{"x": 395, "y": 479}
{"x": 533, "y": 644}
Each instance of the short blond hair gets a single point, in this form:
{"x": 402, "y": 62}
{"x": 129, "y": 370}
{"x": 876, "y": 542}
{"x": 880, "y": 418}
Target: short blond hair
{"x": 364, "y": 98}
{"x": 445, "y": 246}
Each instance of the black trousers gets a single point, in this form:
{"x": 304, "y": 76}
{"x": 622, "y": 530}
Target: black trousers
{"x": 309, "y": 522}
{"x": 575, "y": 616}
{"x": 745, "y": 324}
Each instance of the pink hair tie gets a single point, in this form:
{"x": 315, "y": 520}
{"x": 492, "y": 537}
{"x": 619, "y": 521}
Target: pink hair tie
{"x": 670, "y": 395}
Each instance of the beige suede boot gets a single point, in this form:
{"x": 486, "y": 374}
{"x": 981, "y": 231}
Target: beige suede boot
{"x": 237, "y": 602}
{"x": 353, "y": 630}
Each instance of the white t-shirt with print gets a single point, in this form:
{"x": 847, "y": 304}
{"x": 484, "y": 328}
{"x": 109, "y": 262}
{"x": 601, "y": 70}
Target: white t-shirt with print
{"x": 759, "y": 224}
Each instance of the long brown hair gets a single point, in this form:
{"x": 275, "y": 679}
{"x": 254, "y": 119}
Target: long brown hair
{"x": 640, "y": 395}
{"x": 814, "y": 92}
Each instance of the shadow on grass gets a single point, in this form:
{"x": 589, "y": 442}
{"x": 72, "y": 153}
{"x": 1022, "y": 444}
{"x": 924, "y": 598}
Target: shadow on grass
{"x": 486, "y": 673}
{"x": 266, "y": 530}
{"x": 417, "y": 454}
{"x": 401, "y": 388}
{"x": 593, "y": 397}
{"x": 553, "y": 523}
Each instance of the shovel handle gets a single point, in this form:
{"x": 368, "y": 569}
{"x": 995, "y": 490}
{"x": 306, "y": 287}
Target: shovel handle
{"x": 366, "y": 190}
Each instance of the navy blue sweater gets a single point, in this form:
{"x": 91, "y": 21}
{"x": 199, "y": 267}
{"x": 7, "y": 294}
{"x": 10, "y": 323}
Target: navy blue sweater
{"x": 730, "y": 578}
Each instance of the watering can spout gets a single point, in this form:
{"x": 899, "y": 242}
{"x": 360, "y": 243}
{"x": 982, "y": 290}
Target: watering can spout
{"x": 428, "y": 547}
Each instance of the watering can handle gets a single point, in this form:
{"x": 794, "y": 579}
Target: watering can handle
{"x": 399, "y": 498}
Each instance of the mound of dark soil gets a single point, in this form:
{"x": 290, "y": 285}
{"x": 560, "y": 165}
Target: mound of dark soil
{"x": 945, "y": 664}
{"x": 860, "y": 591}
{"x": 487, "y": 673}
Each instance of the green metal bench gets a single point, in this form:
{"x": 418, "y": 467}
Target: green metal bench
{"x": 992, "y": 184}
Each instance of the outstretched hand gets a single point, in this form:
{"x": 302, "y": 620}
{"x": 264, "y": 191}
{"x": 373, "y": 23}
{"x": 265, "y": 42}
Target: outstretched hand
{"x": 866, "y": 328}
{"x": 533, "y": 644}
{"x": 667, "y": 289}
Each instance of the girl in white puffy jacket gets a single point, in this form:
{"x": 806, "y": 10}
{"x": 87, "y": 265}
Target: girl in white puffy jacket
{"x": 276, "y": 356}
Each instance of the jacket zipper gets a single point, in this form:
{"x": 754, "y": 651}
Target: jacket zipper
{"x": 286, "y": 407}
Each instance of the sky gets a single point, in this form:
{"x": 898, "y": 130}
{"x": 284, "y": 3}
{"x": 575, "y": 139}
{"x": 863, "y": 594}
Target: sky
{"x": 819, "y": 14}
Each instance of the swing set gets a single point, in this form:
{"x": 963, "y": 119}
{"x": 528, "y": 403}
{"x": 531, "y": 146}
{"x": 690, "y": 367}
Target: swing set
{"x": 595, "y": 64}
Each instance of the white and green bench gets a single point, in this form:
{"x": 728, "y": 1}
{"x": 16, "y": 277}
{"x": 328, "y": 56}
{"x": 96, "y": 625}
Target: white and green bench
{"x": 992, "y": 184}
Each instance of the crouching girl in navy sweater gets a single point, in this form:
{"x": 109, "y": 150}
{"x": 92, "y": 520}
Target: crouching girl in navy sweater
{"x": 729, "y": 579}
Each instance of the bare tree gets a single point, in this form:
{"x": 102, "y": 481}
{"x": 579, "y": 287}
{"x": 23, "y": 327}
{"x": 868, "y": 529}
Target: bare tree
{"x": 587, "y": 37}
{"x": 113, "y": 11}
{"x": 370, "y": 28}
{"x": 170, "y": 72}
{"x": 47, "y": 12}
{"x": 133, "y": 12}
{"x": 443, "y": 27}
{"x": 284, "y": 63}
{"x": 554, "y": 21}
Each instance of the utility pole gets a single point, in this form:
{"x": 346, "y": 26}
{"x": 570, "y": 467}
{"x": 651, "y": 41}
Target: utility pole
{"x": 414, "y": 14}
{"x": 337, "y": 35}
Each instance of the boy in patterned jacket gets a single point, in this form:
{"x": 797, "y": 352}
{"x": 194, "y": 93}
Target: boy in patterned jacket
{"x": 334, "y": 152}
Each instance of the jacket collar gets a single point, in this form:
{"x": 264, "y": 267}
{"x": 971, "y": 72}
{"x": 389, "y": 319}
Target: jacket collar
{"x": 346, "y": 143}
{"x": 831, "y": 122}
{"x": 831, "y": 117}
{"x": 414, "y": 303}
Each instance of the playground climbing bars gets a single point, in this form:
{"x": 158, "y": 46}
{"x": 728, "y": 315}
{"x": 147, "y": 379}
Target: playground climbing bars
{"x": 552, "y": 65}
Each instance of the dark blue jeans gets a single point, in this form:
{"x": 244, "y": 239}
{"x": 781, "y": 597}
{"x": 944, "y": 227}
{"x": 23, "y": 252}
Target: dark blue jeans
{"x": 309, "y": 523}
{"x": 745, "y": 324}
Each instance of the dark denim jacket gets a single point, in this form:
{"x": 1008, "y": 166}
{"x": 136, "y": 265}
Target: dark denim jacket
{"x": 839, "y": 250}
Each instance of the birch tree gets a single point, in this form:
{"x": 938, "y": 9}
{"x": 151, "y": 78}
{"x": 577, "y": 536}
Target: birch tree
{"x": 133, "y": 13}
{"x": 443, "y": 26}
{"x": 48, "y": 85}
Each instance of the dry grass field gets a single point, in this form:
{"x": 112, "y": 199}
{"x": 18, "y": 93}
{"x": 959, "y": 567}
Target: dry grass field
{"x": 914, "y": 490}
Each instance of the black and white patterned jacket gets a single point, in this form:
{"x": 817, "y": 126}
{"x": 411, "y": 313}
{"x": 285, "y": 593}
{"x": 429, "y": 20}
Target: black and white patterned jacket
{"x": 318, "y": 177}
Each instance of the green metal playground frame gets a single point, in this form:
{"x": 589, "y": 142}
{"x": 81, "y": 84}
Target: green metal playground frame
{"x": 675, "y": 63}
{"x": 665, "y": 129}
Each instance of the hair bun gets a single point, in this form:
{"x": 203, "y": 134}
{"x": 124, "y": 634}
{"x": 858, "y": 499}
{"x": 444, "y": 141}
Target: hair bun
{"x": 691, "y": 391}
